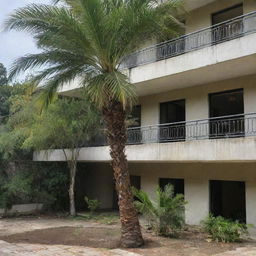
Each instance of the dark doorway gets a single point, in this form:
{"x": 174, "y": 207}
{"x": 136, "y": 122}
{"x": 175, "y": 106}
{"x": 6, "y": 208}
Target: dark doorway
{"x": 178, "y": 185}
{"x": 172, "y": 121}
{"x": 134, "y": 135}
{"x": 227, "y": 29}
{"x": 135, "y": 182}
{"x": 227, "y": 199}
{"x": 227, "y": 114}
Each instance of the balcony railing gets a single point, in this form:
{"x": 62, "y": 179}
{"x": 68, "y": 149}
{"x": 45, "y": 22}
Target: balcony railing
{"x": 242, "y": 125}
{"x": 216, "y": 34}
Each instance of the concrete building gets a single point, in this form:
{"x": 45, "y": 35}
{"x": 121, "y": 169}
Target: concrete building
{"x": 197, "y": 116}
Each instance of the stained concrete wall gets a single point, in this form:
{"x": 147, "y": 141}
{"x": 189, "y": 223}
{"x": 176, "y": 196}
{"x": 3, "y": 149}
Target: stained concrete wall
{"x": 201, "y": 18}
{"x": 197, "y": 176}
{"x": 196, "y": 180}
{"x": 196, "y": 98}
{"x": 99, "y": 184}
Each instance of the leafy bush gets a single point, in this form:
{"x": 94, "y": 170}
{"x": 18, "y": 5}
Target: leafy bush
{"x": 224, "y": 230}
{"x": 93, "y": 204}
{"x": 31, "y": 182}
{"x": 165, "y": 215}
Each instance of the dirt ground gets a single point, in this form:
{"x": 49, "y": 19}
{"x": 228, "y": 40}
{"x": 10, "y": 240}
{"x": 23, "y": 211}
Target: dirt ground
{"x": 98, "y": 235}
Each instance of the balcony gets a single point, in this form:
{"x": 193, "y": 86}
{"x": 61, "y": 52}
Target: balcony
{"x": 229, "y": 138}
{"x": 242, "y": 125}
{"x": 219, "y": 33}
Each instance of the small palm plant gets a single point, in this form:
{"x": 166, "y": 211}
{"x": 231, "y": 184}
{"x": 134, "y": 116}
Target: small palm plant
{"x": 165, "y": 215}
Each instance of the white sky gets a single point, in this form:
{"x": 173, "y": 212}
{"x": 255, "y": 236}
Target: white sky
{"x": 15, "y": 44}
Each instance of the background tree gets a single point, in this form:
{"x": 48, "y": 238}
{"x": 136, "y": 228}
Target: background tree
{"x": 67, "y": 124}
{"x": 16, "y": 128}
{"x": 3, "y": 75}
{"x": 89, "y": 40}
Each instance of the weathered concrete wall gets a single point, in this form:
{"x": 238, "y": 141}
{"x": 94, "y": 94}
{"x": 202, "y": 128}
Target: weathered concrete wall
{"x": 201, "y": 18}
{"x": 196, "y": 181}
{"x": 196, "y": 98}
{"x": 249, "y": 6}
{"x": 237, "y": 149}
{"x": 99, "y": 184}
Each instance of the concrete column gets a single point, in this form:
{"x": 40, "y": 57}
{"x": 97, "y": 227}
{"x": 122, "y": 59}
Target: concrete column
{"x": 251, "y": 202}
{"x": 197, "y": 195}
{"x": 250, "y": 107}
{"x": 149, "y": 184}
{"x": 197, "y": 109}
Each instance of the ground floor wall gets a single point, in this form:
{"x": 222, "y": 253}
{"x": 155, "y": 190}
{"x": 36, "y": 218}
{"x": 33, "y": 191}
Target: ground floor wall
{"x": 196, "y": 177}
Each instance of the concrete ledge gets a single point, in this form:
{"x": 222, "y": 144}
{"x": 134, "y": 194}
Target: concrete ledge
{"x": 22, "y": 209}
{"x": 236, "y": 149}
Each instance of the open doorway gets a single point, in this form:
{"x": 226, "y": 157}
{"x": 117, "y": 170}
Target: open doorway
{"x": 172, "y": 121}
{"x": 227, "y": 199}
{"x": 227, "y": 28}
{"x": 226, "y": 111}
{"x": 178, "y": 185}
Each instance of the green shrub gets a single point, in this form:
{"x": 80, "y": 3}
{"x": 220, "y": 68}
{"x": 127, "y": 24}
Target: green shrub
{"x": 224, "y": 230}
{"x": 165, "y": 215}
{"x": 93, "y": 204}
{"x": 34, "y": 183}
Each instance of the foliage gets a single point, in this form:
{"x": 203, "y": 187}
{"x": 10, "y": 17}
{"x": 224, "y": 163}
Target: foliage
{"x": 3, "y": 75}
{"x": 165, "y": 215}
{"x": 93, "y": 204}
{"x": 103, "y": 33}
{"x": 5, "y": 94}
{"x": 17, "y": 127}
{"x": 68, "y": 123}
{"x": 34, "y": 183}
{"x": 86, "y": 41}
{"x": 224, "y": 230}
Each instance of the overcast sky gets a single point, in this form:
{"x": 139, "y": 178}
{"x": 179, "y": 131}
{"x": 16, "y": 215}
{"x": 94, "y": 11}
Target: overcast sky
{"x": 14, "y": 44}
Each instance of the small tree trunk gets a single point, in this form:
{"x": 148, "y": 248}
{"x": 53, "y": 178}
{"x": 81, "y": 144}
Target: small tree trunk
{"x": 72, "y": 168}
{"x": 114, "y": 116}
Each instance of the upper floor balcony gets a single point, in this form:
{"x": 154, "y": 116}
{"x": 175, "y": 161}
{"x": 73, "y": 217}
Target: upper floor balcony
{"x": 208, "y": 55}
{"x": 220, "y": 52}
{"x": 227, "y": 138}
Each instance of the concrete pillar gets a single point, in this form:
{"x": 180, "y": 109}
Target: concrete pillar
{"x": 197, "y": 109}
{"x": 251, "y": 202}
{"x": 250, "y": 107}
{"x": 197, "y": 195}
{"x": 149, "y": 184}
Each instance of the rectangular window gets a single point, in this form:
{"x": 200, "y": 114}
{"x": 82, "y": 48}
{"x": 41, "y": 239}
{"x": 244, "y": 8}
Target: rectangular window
{"x": 227, "y": 112}
{"x": 230, "y": 29}
{"x": 134, "y": 135}
{"x": 172, "y": 121}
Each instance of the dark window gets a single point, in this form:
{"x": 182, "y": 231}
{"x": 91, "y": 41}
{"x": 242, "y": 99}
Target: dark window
{"x": 227, "y": 14}
{"x": 231, "y": 29}
{"x": 134, "y": 135}
{"x": 222, "y": 107}
{"x": 172, "y": 114}
{"x": 135, "y": 117}
{"x": 227, "y": 199}
{"x": 135, "y": 181}
{"x": 178, "y": 184}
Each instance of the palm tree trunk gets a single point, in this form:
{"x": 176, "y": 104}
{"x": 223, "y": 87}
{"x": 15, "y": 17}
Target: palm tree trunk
{"x": 72, "y": 169}
{"x": 114, "y": 117}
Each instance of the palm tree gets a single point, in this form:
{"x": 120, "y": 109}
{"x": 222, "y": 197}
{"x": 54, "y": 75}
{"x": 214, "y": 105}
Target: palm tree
{"x": 88, "y": 39}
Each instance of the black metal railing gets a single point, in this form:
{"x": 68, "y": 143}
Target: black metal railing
{"x": 216, "y": 34}
{"x": 241, "y": 125}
